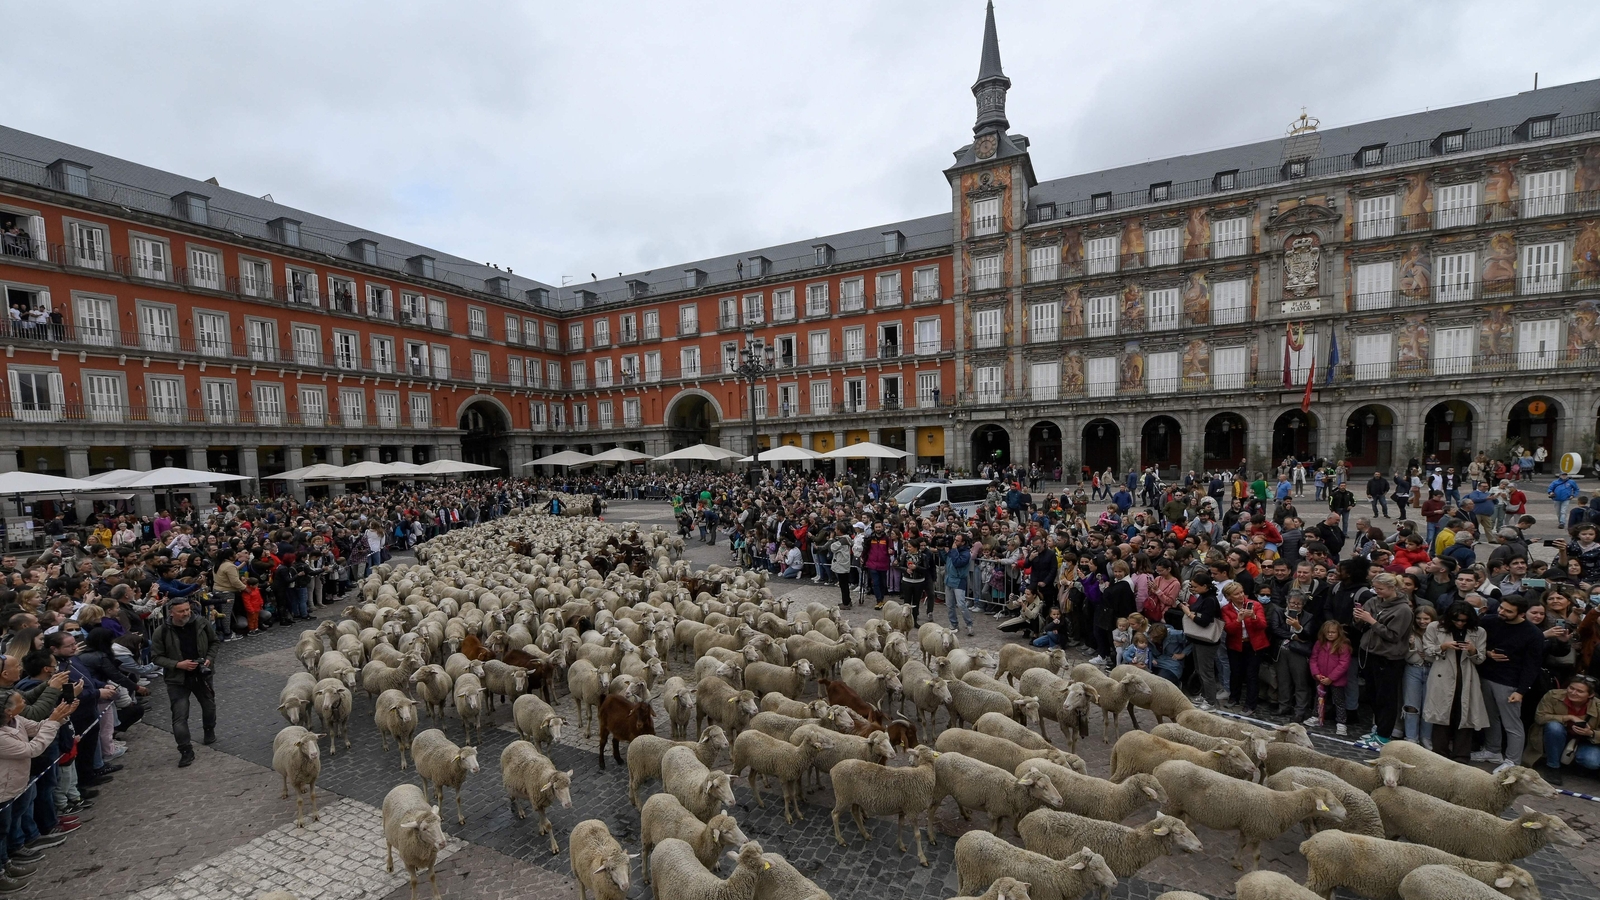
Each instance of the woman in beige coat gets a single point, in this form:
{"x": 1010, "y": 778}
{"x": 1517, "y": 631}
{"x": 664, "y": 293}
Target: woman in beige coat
{"x": 23, "y": 739}
{"x": 1455, "y": 645}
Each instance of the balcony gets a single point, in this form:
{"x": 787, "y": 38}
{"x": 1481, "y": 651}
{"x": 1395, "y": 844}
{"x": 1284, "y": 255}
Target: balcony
{"x": 1479, "y": 214}
{"x": 887, "y": 298}
{"x": 688, "y": 329}
{"x": 854, "y": 302}
{"x": 727, "y": 322}
{"x": 124, "y": 414}
{"x": 342, "y": 301}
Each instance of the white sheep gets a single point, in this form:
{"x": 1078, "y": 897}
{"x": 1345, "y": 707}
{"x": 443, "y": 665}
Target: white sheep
{"x": 378, "y": 676}
{"x": 678, "y": 698}
{"x": 395, "y": 716}
{"x": 1000, "y": 752}
{"x": 763, "y": 754}
{"x": 1366, "y": 775}
{"x": 723, "y": 704}
{"x": 1360, "y": 812}
{"x": 1255, "y": 747}
{"x": 1258, "y": 813}
{"x": 1016, "y": 659}
{"x": 295, "y": 757}
{"x": 588, "y": 686}
{"x": 701, "y": 791}
{"x": 1264, "y": 885}
{"x": 1374, "y": 867}
{"x": 333, "y": 704}
{"x": 762, "y": 678}
{"x": 875, "y": 747}
{"x": 968, "y": 703}
{"x": 470, "y": 702}
{"x": 782, "y": 881}
{"x": 1165, "y": 700}
{"x": 1112, "y": 695}
{"x": 536, "y": 721}
{"x": 874, "y": 687}
{"x": 443, "y": 764}
{"x": 1425, "y": 819}
{"x": 433, "y": 684}
{"x": 1126, "y": 850}
{"x": 1138, "y": 751}
{"x": 1024, "y": 706}
{"x": 309, "y": 649}
{"x": 1461, "y": 784}
{"x": 997, "y": 725}
{"x": 977, "y": 785}
{"x": 963, "y": 661}
{"x": 1437, "y": 882}
{"x": 664, "y": 817}
{"x": 869, "y": 789}
{"x": 412, "y": 826}
{"x": 646, "y": 751}
{"x": 1007, "y": 888}
{"x": 528, "y": 775}
{"x": 1219, "y": 726}
{"x": 1098, "y": 798}
{"x": 935, "y": 640}
{"x": 927, "y": 693}
{"x": 599, "y": 863}
{"x": 502, "y": 680}
{"x": 294, "y": 701}
{"x": 679, "y": 875}
{"x": 982, "y": 858}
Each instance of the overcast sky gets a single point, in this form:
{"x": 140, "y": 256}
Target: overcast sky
{"x": 570, "y": 138}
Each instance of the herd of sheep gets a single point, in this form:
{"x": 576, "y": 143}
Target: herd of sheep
{"x": 518, "y": 608}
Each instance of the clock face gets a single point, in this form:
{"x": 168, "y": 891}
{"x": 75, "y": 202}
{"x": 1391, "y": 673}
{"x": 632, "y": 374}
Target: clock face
{"x": 986, "y": 146}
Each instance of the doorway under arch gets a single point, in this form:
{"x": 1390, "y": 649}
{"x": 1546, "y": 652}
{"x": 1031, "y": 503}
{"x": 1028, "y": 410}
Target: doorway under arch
{"x": 1447, "y": 434}
{"x": 1161, "y": 445}
{"x": 1044, "y": 445}
{"x": 1369, "y": 437}
{"x": 692, "y": 419}
{"x": 1102, "y": 445}
{"x": 1294, "y": 434}
{"x": 486, "y": 440}
{"x": 1532, "y": 423}
{"x": 1227, "y": 435}
{"x": 991, "y": 444}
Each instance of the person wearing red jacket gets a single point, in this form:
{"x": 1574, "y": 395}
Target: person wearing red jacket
{"x": 1244, "y": 622}
{"x": 1409, "y": 552}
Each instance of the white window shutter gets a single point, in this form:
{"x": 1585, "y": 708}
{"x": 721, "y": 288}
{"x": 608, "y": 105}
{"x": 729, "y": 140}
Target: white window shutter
{"x": 36, "y": 232}
{"x": 16, "y": 393}
{"x": 58, "y": 396}
{"x": 44, "y": 299}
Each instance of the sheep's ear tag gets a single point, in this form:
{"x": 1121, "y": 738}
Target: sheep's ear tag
{"x": 1534, "y": 825}
{"x": 1322, "y": 807}
{"x": 733, "y": 699}
{"x": 1162, "y": 831}
{"x": 765, "y": 866}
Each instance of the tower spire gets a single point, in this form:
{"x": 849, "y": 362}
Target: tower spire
{"x": 990, "y": 88}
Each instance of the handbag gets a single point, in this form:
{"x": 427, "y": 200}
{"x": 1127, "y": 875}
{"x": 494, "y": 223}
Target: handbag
{"x": 1205, "y": 634}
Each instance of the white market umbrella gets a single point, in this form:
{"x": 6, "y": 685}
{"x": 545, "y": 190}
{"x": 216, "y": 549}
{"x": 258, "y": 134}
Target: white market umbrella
{"x": 701, "y": 452}
{"x": 402, "y": 469}
{"x": 785, "y": 453}
{"x": 116, "y": 477}
{"x": 452, "y": 467}
{"x": 620, "y": 455}
{"x": 12, "y": 483}
{"x": 174, "y": 476}
{"x": 304, "y": 473}
{"x": 361, "y": 470}
{"x": 565, "y": 458}
{"x": 865, "y": 450}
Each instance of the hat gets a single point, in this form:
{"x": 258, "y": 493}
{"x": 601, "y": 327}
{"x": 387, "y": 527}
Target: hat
{"x": 110, "y": 571}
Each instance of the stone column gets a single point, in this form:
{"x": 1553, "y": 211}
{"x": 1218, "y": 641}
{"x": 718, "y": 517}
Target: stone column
{"x": 199, "y": 494}
{"x": 144, "y": 502}
{"x": 78, "y": 467}
{"x": 874, "y": 465}
{"x": 294, "y": 457}
{"x": 949, "y": 446}
{"x": 8, "y": 458}
{"x": 336, "y": 458}
{"x": 807, "y": 442}
{"x": 373, "y": 453}
{"x": 250, "y": 464}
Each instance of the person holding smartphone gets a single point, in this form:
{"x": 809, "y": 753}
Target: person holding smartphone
{"x": 185, "y": 648}
{"x": 1568, "y": 721}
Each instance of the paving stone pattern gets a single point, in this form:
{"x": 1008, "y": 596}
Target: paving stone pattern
{"x": 500, "y": 847}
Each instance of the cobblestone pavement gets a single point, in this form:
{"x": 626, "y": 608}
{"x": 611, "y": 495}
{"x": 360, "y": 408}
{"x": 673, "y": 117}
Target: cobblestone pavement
{"x": 197, "y": 817}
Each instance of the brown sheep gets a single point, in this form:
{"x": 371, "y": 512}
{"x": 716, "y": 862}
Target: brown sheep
{"x": 622, "y": 720}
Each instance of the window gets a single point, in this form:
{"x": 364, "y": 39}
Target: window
{"x": 1372, "y": 156}
{"x": 102, "y": 397}
{"x": 513, "y": 330}
{"x": 205, "y": 269}
{"x": 602, "y": 332}
{"x": 602, "y": 373}
{"x": 1163, "y": 246}
{"x": 821, "y": 398}
{"x": 927, "y": 389}
{"x": 1455, "y": 205}
{"x": 269, "y": 404}
{"x": 630, "y": 327}
{"x": 607, "y": 416}
{"x": 221, "y": 401}
{"x": 786, "y": 352}
{"x": 855, "y": 344}
{"x": 88, "y": 246}
{"x": 1453, "y": 277}
{"x": 925, "y": 284}
{"x": 987, "y": 383}
{"x": 441, "y": 361}
{"x": 558, "y": 416}
{"x": 575, "y": 336}
{"x": 211, "y": 333}
{"x": 817, "y": 348}
{"x": 1102, "y": 316}
{"x": 652, "y": 366}
{"x": 652, "y": 325}
{"x": 1453, "y": 143}
{"x": 852, "y": 295}
{"x": 1161, "y": 372}
{"x": 1538, "y": 343}
{"x": 788, "y": 400}
{"x": 477, "y": 322}
{"x": 302, "y": 286}
{"x": 783, "y": 305}
{"x": 1375, "y": 217}
{"x": 533, "y": 372}
{"x": 986, "y": 216}
{"x": 313, "y": 406}
{"x": 1043, "y": 263}
{"x": 1225, "y": 181}
{"x": 36, "y": 395}
{"x": 97, "y": 321}
{"x": 1375, "y": 285}
{"x": 158, "y": 329}
{"x": 1230, "y": 367}
{"x": 386, "y": 404}
{"x": 730, "y": 356}
{"x": 1100, "y": 376}
{"x": 1163, "y": 308}
{"x": 347, "y": 350}
{"x": 150, "y": 258}
{"x": 342, "y": 295}
{"x": 1540, "y": 128}
{"x": 1374, "y": 353}
{"x": 417, "y": 359}
{"x": 758, "y": 401}
{"x": 307, "y": 346}
{"x": 986, "y": 273}
{"x": 166, "y": 399}
{"x": 689, "y": 361}
{"x": 817, "y": 299}
{"x": 1295, "y": 168}
{"x": 1228, "y": 237}
{"x": 422, "y": 410}
{"x": 688, "y": 319}
{"x": 383, "y": 355}
{"x": 855, "y": 395}
{"x": 530, "y": 332}
{"x": 438, "y": 314}
{"x": 536, "y": 416}
{"x": 353, "y": 407}
{"x": 1160, "y": 192}
{"x": 514, "y": 371}
{"x": 1230, "y": 302}
{"x": 580, "y": 416}
{"x": 255, "y": 279}
{"x": 1544, "y": 193}
{"x": 927, "y": 336}
{"x": 1100, "y": 202}
{"x": 1043, "y": 319}
{"x": 1541, "y": 268}
{"x": 552, "y": 336}
{"x": 887, "y": 289}
{"x": 1299, "y": 362}
{"x": 727, "y": 313}
{"x": 630, "y": 413}
{"x": 1044, "y": 380}
{"x": 629, "y": 369}
{"x": 1100, "y": 254}
{"x": 552, "y": 373}
{"x": 987, "y": 327}
{"x": 414, "y": 308}
{"x": 380, "y": 302}
{"x": 755, "y": 309}
{"x": 1452, "y": 351}
{"x": 889, "y": 392}
{"x": 580, "y": 374}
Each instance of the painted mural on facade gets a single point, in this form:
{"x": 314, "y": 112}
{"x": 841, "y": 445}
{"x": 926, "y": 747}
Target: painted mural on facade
{"x": 1197, "y": 299}
{"x": 1132, "y": 244}
{"x": 1495, "y": 332}
{"x": 1583, "y": 333}
{"x": 1196, "y": 235}
{"x": 1072, "y": 249}
{"x": 1411, "y": 344}
{"x": 1072, "y": 312}
{"x": 1500, "y": 189}
{"x": 1586, "y": 177}
{"x": 1196, "y": 364}
{"x": 1416, "y": 272}
{"x": 1132, "y": 367}
{"x": 1072, "y": 374}
{"x": 1586, "y": 251}
{"x": 1500, "y": 263}
{"x": 1133, "y": 307}
{"x": 1417, "y": 201}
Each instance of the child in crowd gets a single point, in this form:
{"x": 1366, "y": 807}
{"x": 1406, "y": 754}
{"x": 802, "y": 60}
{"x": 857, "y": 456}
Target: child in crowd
{"x": 252, "y": 603}
{"x": 1137, "y": 653}
{"x": 1169, "y": 649}
{"x": 1330, "y": 667}
{"x": 1121, "y": 638}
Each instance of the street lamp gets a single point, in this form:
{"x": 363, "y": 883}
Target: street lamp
{"x": 755, "y": 362}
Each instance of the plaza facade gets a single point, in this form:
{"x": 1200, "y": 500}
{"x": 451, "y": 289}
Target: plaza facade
{"x": 1434, "y": 277}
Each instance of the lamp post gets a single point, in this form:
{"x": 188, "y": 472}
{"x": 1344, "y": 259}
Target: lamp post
{"x": 755, "y": 362}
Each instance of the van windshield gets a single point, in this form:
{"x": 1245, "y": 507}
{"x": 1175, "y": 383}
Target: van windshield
{"x": 907, "y": 494}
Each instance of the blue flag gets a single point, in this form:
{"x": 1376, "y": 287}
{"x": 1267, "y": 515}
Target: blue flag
{"x": 1333, "y": 353}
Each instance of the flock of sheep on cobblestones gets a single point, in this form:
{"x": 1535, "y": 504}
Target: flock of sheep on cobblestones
{"x": 514, "y": 609}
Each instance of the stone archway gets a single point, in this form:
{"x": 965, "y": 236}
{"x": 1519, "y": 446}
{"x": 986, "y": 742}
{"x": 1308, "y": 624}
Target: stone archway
{"x": 1369, "y": 437}
{"x": 1227, "y": 437}
{"x": 1532, "y": 423}
{"x": 1044, "y": 445}
{"x": 990, "y": 444}
{"x": 693, "y": 418}
{"x": 1102, "y": 445}
{"x": 1161, "y": 445}
{"x": 1293, "y": 434}
{"x": 486, "y": 434}
{"x": 1447, "y": 434}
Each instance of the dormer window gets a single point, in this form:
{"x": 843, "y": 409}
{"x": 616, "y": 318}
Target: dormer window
{"x": 1100, "y": 202}
{"x": 1225, "y": 181}
{"x": 1452, "y": 142}
{"x": 1294, "y": 168}
{"x": 70, "y": 177}
{"x": 1044, "y": 212}
{"x": 693, "y": 278}
{"x": 1160, "y": 192}
{"x": 1371, "y": 156}
{"x": 1537, "y": 128}
{"x": 287, "y": 231}
{"x": 821, "y": 255}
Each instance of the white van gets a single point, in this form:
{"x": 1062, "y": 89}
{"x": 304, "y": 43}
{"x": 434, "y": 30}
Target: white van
{"x": 924, "y": 497}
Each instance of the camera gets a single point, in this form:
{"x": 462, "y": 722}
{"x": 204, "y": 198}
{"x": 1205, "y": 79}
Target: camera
{"x": 203, "y": 669}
